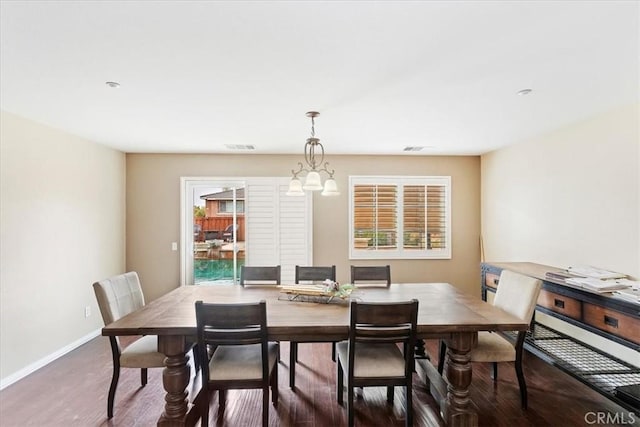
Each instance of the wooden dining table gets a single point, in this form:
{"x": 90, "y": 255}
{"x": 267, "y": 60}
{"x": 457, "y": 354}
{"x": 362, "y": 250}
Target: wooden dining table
{"x": 444, "y": 312}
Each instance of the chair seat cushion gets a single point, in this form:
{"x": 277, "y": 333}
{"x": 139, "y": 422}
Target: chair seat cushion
{"x": 493, "y": 348}
{"x": 372, "y": 360}
{"x": 240, "y": 362}
{"x": 142, "y": 353}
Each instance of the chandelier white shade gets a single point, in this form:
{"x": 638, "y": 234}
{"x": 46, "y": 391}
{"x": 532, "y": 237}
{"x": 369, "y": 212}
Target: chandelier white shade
{"x": 330, "y": 188}
{"x": 312, "y": 182}
{"x": 315, "y": 164}
{"x": 295, "y": 188}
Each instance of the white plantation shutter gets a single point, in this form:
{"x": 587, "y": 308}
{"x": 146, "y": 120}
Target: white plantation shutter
{"x": 296, "y": 229}
{"x": 438, "y": 232}
{"x": 425, "y": 217}
{"x": 414, "y": 217}
{"x": 278, "y": 227}
{"x": 375, "y": 216}
{"x": 261, "y": 225}
{"x": 400, "y": 217}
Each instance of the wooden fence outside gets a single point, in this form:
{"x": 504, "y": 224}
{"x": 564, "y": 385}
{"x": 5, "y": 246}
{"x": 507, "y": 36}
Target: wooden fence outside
{"x": 212, "y": 228}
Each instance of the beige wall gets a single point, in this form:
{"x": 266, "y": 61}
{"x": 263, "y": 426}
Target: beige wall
{"x": 567, "y": 198}
{"x": 62, "y": 227}
{"x": 570, "y": 197}
{"x": 153, "y": 185}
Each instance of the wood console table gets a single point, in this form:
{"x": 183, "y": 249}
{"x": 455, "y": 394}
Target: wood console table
{"x": 614, "y": 319}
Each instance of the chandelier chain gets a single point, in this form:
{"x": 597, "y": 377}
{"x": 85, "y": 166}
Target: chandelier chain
{"x": 313, "y": 130}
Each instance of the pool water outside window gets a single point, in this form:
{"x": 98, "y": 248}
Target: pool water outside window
{"x": 214, "y": 271}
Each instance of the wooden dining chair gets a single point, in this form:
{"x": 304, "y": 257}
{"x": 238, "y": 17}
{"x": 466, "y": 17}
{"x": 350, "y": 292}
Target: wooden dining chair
{"x": 371, "y": 275}
{"x": 259, "y": 275}
{"x": 242, "y": 358}
{"x": 371, "y": 356}
{"x": 118, "y": 296}
{"x": 517, "y": 295}
{"x": 308, "y": 275}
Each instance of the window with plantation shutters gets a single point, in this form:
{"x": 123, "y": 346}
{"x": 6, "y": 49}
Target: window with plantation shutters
{"x": 424, "y": 217}
{"x": 400, "y": 217}
{"x": 375, "y": 216}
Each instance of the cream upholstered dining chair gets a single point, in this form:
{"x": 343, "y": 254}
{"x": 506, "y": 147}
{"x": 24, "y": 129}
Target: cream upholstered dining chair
{"x": 371, "y": 356}
{"x": 242, "y": 358}
{"x": 118, "y": 296}
{"x": 378, "y": 274}
{"x": 516, "y": 294}
{"x": 309, "y": 275}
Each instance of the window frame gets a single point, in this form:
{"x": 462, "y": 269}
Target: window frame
{"x": 400, "y": 252}
{"x": 239, "y": 207}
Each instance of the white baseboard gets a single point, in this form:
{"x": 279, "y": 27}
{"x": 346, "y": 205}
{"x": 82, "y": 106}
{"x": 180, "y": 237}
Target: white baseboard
{"x": 5, "y": 382}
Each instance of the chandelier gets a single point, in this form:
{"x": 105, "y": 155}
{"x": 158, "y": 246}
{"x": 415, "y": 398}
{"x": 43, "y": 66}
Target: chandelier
{"x": 314, "y": 157}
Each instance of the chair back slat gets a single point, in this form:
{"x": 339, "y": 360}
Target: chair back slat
{"x": 251, "y": 334}
{"x": 219, "y": 338}
{"x": 250, "y": 275}
{"x": 315, "y": 273}
{"x": 371, "y": 274}
{"x": 400, "y": 333}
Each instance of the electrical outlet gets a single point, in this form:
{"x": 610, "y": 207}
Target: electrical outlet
{"x": 87, "y": 311}
{"x": 174, "y": 246}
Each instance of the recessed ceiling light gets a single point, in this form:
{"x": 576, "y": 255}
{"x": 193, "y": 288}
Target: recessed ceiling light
{"x": 524, "y": 92}
{"x": 112, "y": 84}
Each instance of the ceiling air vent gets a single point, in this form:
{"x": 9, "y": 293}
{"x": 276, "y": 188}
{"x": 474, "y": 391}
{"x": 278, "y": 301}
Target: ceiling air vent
{"x": 413, "y": 148}
{"x": 240, "y": 147}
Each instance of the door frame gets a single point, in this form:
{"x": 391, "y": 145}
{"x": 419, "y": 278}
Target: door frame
{"x": 187, "y": 185}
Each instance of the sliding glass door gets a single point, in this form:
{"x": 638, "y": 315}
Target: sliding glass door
{"x": 226, "y": 223}
{"x": 216, "y": 248}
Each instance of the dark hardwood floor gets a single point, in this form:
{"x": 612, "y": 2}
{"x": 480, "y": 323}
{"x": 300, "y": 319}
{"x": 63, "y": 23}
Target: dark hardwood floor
{"x": 72, "y": 391}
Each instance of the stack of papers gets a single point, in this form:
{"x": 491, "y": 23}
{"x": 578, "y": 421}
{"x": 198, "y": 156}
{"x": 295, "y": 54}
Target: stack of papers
{"x": 629, "y": 294}
{"x": 632, "y": 283}
{"x": 560, "y": 276}
{"x": 596, "y": 273}
{"x": 597, "y": 285}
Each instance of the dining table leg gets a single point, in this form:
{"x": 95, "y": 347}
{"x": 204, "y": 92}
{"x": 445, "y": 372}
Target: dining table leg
{"x": 458, "y": 409}
{"x": 175, "y": 379}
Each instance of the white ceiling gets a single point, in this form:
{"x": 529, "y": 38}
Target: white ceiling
{"x": 384, "y": 75}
